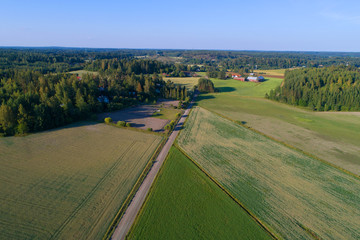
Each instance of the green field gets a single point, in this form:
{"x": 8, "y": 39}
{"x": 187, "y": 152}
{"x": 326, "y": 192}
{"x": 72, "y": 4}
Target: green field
{"x": 330, "y": 136}
{"x": 297, "y": 196}
{"x": 185, "y": 204}
{"x": 237, "y": 88}
{"x": 70, "y": 182}
{"x": 166, "y": 113}
{"x": 188, "y": 82}
{"x": 83, "y": 72}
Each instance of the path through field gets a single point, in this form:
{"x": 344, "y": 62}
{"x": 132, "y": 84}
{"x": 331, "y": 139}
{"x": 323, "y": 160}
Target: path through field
{"x": 129, "y": 217}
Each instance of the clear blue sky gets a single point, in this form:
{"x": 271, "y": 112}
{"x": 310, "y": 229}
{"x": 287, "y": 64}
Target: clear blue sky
{"x": 309, "y": 25}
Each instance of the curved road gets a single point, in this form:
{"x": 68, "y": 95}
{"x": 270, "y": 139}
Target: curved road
{"x": 129, "y": 217}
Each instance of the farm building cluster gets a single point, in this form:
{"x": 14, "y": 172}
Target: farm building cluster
{"x": 251, "y": 78}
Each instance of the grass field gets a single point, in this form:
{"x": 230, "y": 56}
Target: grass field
{"x": 298, "y": 196}
{"x": 166, "y": 113}
{"x": 185, "y": 204}
{"x": 273, "y": 72}
{"x": 327, "y": 135}
{"x": 83, "y": 72}
{"x": 246, "y": 89}
{"x": 188, "y": 82}
{"x": 68, "y": 183}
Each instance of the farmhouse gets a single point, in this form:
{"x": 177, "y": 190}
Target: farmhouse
{"x": 255, "y": 79}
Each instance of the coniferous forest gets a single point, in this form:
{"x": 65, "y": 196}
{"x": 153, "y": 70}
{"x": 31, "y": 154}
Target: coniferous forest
{"x": 33, "y": 101}
{"x": 335, "y": 88}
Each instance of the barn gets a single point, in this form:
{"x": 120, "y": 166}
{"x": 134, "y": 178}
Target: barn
{"x": 256, "y": 79}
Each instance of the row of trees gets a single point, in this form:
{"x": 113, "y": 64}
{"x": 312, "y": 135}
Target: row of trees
{"x": 321, "y": 89}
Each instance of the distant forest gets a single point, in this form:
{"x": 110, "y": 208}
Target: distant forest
{"x": 334, "y": 88}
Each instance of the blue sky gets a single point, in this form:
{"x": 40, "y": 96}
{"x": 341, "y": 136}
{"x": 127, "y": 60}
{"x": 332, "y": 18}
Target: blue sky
{"x": 238, "y": 25}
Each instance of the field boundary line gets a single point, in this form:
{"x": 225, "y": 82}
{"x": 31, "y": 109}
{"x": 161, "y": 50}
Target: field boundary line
{"x": 285, "y": 144}
{"x": 118, "y": 190}
{"x": 109, "y": 232}
{"x": 257, "y": 220}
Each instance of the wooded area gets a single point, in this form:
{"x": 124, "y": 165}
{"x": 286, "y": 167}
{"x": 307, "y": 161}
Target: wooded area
{"x": 321, "y": 89}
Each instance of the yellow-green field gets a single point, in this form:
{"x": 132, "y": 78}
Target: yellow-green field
{"x": 188, "y": 82}
{"x": 298, "y": 197}
{"x": 83, "y": 72}
{"x": 330, "y": 136}
{"x": 70, "y": 182}
{"x": 185, "y": 204}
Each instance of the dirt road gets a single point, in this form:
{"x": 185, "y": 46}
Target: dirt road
{"x": 129, "y": 217}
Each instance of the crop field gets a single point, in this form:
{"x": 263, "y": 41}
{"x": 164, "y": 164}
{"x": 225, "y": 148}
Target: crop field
{"x": 185, "y": 204}
{"x": 188, "y": 82}
{"x": 70, "y": 182}
{"x": 297, "y": 196}
{"x": 327, "y": 135}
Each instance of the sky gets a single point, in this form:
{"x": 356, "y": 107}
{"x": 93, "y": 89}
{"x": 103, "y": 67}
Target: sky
{"x": 286, "y": 25}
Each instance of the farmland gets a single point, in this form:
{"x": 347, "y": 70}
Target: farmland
{"x": 185, "y": 202}
{"x": 327, "y": 135}
{"x": 297, "y": 196}
{"x": 68, "y": 183}
{"x": 188, "y": 82}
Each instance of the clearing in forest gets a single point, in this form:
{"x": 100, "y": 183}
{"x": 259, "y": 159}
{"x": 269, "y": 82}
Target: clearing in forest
{"x": 70, "y": 182}
{"x": 297, "y": 196}
{"x": 185, "y": 204}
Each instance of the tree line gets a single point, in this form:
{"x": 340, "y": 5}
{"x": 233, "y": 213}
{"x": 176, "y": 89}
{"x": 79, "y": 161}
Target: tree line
{"x": 335, "y": 88}
{"x": 32, "y": 101}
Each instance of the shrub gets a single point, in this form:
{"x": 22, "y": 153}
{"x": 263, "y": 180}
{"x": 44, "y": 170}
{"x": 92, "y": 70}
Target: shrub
{"x": 128, "y": 124}
{"x": 108, "y": 120}
{"x": 178, "y": 115}
{"x": 150, "y": 129}
{"x": 121, "y": 123}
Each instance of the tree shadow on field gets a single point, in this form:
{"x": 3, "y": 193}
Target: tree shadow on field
{"x": 226, "y": 89}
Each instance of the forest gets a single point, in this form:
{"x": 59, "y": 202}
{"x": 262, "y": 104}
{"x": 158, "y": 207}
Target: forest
{"x": 32, "y": 101}
{"x": 335, "y": 88}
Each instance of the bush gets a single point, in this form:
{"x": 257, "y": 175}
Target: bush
{"x": 108, "y": 120}
{"x": 128, "y": 124}
{"x": 178, "y": 115}
{"x": 121, "y": 123}
{"x": 150, "y": 129}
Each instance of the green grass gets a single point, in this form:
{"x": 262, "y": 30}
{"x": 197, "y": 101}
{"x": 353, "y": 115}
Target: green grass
{"x": 68, "y": 183}
{"x": 247, "y": 89}
{"x": 188, "y": 82}
{"x": 327, "y": 135}
{"x": 166, "y": 113}
{"x": 83, "y": 72}
{"x": 297, "y": 196}
{"x": 185, "y": 204}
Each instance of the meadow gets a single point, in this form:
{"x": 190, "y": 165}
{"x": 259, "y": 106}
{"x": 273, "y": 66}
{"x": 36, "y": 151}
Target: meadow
{"x": 69, "y": 183}
{"x": 297, "y": 196}
{"x": 185, "y": 204}
{"x": 327, "y": 135}
{"x": 188, "y": 82}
